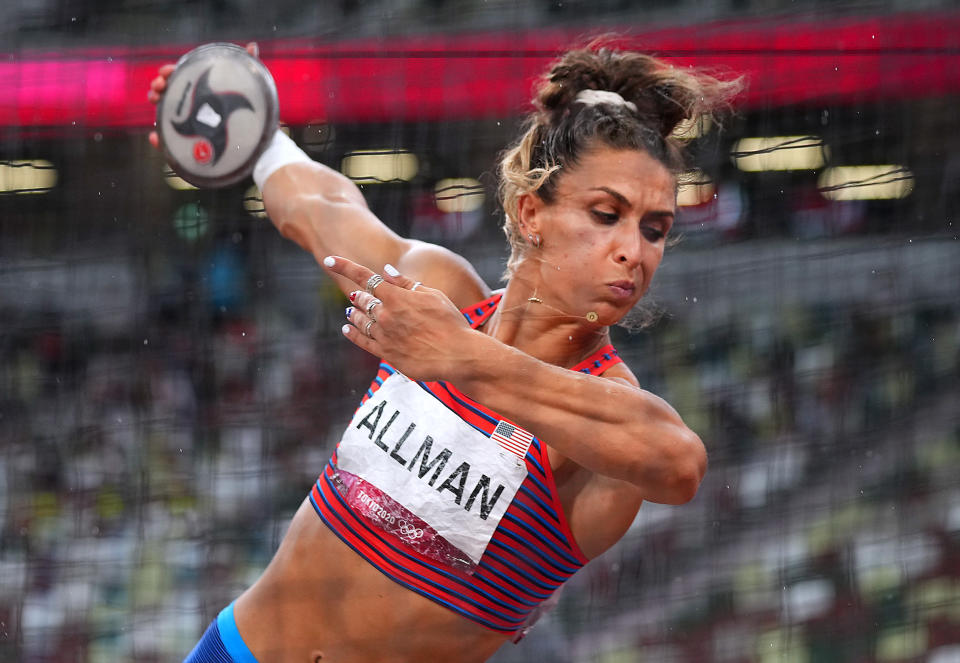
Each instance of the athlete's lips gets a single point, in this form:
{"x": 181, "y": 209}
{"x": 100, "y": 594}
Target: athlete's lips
{"x": 622, "y": 289}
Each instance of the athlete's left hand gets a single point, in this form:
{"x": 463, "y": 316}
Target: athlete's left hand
{"x": 415, "y": 328}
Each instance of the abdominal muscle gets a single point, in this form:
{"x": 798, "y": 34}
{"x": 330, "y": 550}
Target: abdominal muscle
{"x": 320, "y": 598}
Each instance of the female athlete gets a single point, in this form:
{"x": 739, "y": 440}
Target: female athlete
{"x": 503, "y": 443}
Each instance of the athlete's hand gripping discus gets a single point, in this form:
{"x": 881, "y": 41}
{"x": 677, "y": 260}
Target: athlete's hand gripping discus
{"x": 217, "y": 115}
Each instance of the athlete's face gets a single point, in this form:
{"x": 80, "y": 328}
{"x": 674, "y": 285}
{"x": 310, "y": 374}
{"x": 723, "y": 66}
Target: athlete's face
{"x": 603, "y": 235}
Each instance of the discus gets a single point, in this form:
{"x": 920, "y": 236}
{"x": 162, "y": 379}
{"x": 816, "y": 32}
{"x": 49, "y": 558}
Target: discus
{"x": 218, "y": 115}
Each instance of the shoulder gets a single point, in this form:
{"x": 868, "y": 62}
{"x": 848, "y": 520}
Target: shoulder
{"x": 621, "y": 373}
{"x": 441, "y": 268}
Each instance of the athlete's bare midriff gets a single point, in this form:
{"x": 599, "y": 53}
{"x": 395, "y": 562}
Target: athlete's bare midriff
{"x": 319, "y": 596}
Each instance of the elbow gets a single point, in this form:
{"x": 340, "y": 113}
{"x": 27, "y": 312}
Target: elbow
{"x": 690, "y": 468}
{"x": 677, "y": 478}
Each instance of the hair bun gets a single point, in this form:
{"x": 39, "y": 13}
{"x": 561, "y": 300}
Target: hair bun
{"x": 662, "y": 95}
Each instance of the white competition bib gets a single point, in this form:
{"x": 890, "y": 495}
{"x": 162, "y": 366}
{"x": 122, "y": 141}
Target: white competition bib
{"x": 441, "y": 469}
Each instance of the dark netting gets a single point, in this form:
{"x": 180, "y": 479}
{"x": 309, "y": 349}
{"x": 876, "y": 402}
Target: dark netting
{"x": 173, "y": 378}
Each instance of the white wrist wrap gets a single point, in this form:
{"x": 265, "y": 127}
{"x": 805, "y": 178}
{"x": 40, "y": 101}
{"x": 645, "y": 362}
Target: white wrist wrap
{"x": 281, "y": 151}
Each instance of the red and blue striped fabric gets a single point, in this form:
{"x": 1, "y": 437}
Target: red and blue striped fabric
{"x": 532, "y": 552}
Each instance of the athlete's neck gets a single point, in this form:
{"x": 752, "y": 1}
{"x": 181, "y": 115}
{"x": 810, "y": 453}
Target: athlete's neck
{"x": 542, "y": 330}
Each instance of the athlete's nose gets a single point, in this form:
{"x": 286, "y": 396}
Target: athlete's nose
{"x": 630, "y": 249}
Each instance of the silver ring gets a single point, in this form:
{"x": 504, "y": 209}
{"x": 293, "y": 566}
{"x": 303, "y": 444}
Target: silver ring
{"x": 373, "y": 304}
{"x": 415, "y": 286}
{"x": 366, "y": 328}
{"x": 373, "y": 282}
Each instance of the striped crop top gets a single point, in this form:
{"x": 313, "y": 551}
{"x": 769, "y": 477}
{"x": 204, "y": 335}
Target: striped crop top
{"x": 532, "y": 551}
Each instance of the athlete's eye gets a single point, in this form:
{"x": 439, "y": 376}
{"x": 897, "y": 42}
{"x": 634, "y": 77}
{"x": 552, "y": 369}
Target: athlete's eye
{"x": 653, "y": 234}
{"x": 606, "y": 217}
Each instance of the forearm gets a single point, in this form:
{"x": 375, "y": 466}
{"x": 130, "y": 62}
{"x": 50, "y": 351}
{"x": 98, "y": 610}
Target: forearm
{"x": 325, "y": 213}
{"x": 604, "y": 425}
{"x": 320, "y": 209}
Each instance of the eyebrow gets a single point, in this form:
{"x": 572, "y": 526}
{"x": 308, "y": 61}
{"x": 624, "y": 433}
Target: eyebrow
{"x": 623, "y": 200}
{"x": 666, "y": 214}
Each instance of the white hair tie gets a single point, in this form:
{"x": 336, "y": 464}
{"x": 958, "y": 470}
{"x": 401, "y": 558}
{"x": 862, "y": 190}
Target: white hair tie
{"x": 593, "y": 97}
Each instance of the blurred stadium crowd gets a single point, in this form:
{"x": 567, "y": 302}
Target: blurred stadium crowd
{"x": 147, "y": 468}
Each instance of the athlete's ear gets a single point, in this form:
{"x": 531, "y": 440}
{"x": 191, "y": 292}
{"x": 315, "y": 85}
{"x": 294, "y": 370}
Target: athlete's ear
{"x": 530, "y": 209}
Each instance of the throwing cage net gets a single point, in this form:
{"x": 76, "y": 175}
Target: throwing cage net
{"x": 173, "y": 378}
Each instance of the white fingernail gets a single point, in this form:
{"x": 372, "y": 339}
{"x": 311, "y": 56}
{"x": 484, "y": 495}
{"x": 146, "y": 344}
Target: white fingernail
{"x": 391, "y": 270}
{"x": 345, "y": 329}
{"x": 329, "y": 261}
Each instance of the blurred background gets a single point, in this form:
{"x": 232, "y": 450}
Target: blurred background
{"x": 172, "y": 377}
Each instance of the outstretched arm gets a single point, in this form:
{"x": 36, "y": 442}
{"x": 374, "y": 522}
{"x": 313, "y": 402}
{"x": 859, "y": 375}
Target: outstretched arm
{"x": 324, "y": 212}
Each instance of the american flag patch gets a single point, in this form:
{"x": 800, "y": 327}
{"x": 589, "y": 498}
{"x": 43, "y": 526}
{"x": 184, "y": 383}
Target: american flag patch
{"x": 512, "y": 438}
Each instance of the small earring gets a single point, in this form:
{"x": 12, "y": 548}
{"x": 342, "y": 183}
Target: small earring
{"x": 534, "y": 239}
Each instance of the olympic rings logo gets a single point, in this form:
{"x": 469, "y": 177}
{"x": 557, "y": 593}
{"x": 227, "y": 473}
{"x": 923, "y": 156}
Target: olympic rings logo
{"x": 406, "y": 529}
